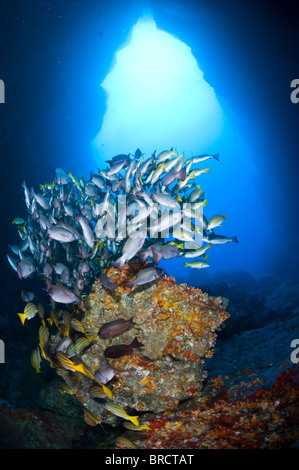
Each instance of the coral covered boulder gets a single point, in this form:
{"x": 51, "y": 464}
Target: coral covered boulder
{"x": 176, "y": 325}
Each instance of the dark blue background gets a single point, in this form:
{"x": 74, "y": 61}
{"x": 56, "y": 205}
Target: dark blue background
{"x": 55, "y": 54}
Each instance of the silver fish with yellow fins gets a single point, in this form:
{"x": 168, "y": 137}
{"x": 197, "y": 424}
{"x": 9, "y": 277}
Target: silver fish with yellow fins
{"x": 197, "y": 264}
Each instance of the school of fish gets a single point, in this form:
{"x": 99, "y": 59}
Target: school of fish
{"x": 148, "y": 208}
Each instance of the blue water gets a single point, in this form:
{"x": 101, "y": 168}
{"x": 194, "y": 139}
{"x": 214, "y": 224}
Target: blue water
{"x": 54, "y": 59}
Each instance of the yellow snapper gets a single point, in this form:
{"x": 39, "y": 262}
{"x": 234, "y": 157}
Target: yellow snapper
{"x": 119, "y": 411}
{"x": 30, "y": 311}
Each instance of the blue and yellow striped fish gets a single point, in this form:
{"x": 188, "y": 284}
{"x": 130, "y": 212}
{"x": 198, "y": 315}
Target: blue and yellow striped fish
{"x": 119, "y": 411}
{"x": 41, "y": 313}
{"x": 216, "y": 221}
{"x": 30, "y": 311}
{"x": 91, "y": 417}
{"x": 53, "y": 319}
{"x": 97, "y": 392}
{"x": 67, "y": 323}
{"x": 105, "y": 389}
{"x": 77, "y": 325}
{"x": 43, "y": 339}
{"x": 132, "y": 426}
{"x": 64, "y": 388}
{"x": 68, "y": 364}
{"x": 35, "y": 359}
{"x": 124, "y": 441}
{"x": 78, "y": 346}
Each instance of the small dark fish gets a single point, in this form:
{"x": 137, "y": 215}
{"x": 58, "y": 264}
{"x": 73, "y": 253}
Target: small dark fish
{"x": 107, "y": 282}
{"x": 118, "y": 159}
{"x": 115, "y": 327}
{"x": 137, "y": 154}
{"x": 122, "y": 349}
{"x": 27, "y": 296}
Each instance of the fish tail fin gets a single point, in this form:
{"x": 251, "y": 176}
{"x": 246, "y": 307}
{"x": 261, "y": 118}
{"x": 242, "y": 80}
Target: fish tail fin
{"x": 235, "y": 240}
{"x": 22, "y": 317}
{"x": 216, "y": 156}
{"x": 181, "y": 175}
{"x": 205, "y": 202}
{"x": 206, "y": 170}
{"x": 145, "y": 426}
{"x": 107, "y": 391}
{"x": 143, "y": 256}
{"x": 80, "y": 368}
{"x": 136, "y": 344}
{"x": 119, "y": 263}
{"x": 192, "y": 175}
{"x": 206, "y": 257}
{"x": 156, "y": 255}
{"x": 186, "y": 264}
{"x": 225, "y": 217}
{"x": 135, "y": 421}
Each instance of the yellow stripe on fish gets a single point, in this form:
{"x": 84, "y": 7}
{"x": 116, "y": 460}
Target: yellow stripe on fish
{"x": 30, "y": 311}
{"x": 67, "y": 323}
{"x": 124, "y": 441}
{"x": 78, "y": 346}
{"x": 68, "y": 364}
{"x": 64, "y": 388}
{"x": 41, "y": 313}
{"x": 88, "y": 414}
{"x": 216, "y": 221}
{"x": 35, "y": 360}
{"x": 105, "y": 389}
{"x": 97, "y": 392}
{"x": 119, "y": 411}
{"x": 43, "y": 339}
{"x": 77, "y": 325}
{"x": 132, "y": 427}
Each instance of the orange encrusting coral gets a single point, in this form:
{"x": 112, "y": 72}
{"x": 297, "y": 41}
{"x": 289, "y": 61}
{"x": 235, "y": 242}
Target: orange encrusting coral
{"x": 268, "y": 418}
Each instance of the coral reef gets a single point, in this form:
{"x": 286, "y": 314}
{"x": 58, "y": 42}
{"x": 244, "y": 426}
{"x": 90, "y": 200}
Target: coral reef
{"x": 176, "y": 324}
{"x": 268, "y": 418}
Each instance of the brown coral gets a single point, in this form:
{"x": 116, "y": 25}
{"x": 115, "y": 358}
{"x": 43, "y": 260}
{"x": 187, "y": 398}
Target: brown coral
{"x": 177, "y": 326}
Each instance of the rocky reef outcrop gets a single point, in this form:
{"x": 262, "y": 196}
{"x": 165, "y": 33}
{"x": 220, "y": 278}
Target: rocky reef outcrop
{"x": 177, "y": 326}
